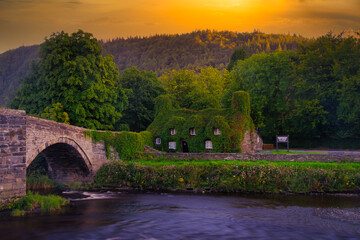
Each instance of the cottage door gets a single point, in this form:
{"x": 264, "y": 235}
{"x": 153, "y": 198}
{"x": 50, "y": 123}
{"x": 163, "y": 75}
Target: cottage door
{"x": 184, "y": 146}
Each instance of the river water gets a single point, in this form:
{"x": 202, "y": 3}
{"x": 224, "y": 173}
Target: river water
{"x": 192, "y": 216}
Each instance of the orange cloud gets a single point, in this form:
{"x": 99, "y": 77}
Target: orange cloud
{"x": 28, "y": 22}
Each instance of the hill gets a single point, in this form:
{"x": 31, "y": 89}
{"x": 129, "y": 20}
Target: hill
{"x": 158, "y": 53}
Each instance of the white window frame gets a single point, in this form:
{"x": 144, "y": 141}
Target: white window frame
{"x": 157, "y": 141}
{"x": 172, "y": 131}
{"x": 172, "y": 145}
{"x": 217, "y": 131}
{"x": 192, "y": 131}
{"x": 208, "y": 144}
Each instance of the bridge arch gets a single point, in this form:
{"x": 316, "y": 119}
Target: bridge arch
{"x": 66, "y": 160}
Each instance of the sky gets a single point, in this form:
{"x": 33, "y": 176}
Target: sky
{"x": 29, "y": 22}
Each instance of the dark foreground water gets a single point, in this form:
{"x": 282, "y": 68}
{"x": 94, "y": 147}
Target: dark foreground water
{"x": 188, "y": 216}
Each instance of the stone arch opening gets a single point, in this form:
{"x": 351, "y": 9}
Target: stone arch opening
{"x": 65, "y": 162}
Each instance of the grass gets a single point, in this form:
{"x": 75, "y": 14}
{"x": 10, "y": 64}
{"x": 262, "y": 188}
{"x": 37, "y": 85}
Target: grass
{"x": 32, "y": 202}
{"x": 37, "y": 182}
{"x": 232, "y": 176}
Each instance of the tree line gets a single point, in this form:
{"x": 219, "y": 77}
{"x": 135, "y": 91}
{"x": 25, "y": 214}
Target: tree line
{"x": 312, "y": 91}
{"x": 158, "y": 53}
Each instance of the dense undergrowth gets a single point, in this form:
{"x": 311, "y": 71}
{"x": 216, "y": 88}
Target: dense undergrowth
{"x": 232, "y": 176}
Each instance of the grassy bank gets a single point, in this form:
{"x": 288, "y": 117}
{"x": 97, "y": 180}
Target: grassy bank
{"x": 232, "y": 176}
{"x": 35, "y": 202}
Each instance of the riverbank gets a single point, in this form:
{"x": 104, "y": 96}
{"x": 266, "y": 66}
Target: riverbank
{"x": 231, "y": 176}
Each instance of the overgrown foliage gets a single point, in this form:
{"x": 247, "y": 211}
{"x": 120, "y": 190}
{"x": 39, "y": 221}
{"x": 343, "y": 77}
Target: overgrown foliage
{"x": 125, "y": 144}
{"x": 232, "y": 122}
{"x": 232, "y": 176}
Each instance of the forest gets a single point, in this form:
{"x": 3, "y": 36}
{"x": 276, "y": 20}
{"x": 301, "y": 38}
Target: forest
{"x": 308, "y": 90}
{"x": 158, "y": 53}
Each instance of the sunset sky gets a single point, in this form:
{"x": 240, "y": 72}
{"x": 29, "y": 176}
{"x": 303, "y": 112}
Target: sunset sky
{"x": 28, "y": 22}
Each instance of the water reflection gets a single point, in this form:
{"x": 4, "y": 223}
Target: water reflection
{"x": 188, "y": 216}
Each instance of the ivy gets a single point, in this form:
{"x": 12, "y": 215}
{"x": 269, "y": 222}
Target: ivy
{"x": 125, "y": 143}
{"x": 232, "y": 122}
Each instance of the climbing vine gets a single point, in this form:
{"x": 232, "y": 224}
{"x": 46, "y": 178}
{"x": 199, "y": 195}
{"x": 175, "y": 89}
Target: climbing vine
{"x": 125, "y": 144}
{"x": 232, "y": 123}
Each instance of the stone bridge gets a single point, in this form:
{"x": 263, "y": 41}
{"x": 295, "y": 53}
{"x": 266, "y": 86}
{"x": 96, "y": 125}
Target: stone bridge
{"x": 70, "y": 155}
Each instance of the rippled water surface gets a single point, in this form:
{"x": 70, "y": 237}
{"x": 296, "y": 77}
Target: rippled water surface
{"x": 189, "y": 216}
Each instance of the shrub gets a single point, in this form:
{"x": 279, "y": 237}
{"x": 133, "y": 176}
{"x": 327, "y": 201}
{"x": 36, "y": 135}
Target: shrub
{"x": 232, "y": 176}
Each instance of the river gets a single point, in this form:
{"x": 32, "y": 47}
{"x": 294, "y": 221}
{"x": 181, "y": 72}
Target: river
{"x": 192, "y": 216}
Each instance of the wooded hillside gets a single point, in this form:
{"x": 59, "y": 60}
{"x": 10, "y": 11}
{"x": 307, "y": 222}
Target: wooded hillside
{"x": 158, "y": 53}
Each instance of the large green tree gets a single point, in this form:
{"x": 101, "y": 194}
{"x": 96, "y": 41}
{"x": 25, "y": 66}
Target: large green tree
{"x": 328, "y": 71}
{"x": 197, "y": 90}
{"x": 145, "y": 87}
{"x": 72, "y": 72}
{"x": 268, "y": 79}
{"x": 309, "y": 93}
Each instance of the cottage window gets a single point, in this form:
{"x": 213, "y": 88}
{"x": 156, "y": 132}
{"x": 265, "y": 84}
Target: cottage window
{"x": 217, "y": 131}
{"x": 192, "y": 132}
{"x": 172, "y": 145}
{"x": 172, "y": 131}
{"x": 158, "y": 141}
{"x": 208, "y": 144}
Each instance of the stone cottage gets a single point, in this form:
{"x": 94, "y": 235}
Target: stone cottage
{"x": 210, "y": 130}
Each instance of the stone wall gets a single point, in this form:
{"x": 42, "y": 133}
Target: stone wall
{"x": 266, "y": 157}
{"x": 252, "y": 142}
{"x": 12, "y": 154}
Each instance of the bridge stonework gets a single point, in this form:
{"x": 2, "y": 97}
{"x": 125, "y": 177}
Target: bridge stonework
{"x": 12, "y": 154}
{"x": 70, "y": 155}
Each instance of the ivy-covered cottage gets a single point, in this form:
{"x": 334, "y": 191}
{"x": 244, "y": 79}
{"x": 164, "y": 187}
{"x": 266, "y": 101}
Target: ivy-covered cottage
{"x": 209, "y": 130}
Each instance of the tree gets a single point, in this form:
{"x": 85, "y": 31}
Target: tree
{"x": 56, "y": 113}
{"x": 328, "y": 70}
{"x": 310, "y": 93}
{"x": 145, "y": 87}
{"x": 197, "y": 90}
{"x": 268, "y": 79}
{"x": 72, "y": 72}
{"x": 179, "y": 84}
{"x": 238, "y": 54}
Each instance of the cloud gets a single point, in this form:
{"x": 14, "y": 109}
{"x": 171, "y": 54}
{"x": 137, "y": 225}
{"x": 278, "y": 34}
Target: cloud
{"x": 323, "y": 15}
{"x": 74, "y": 2}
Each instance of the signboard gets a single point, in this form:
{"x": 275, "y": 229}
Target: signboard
{"x": 282, "y": 139}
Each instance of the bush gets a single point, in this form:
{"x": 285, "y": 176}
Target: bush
{"x": 232, "y": 176}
